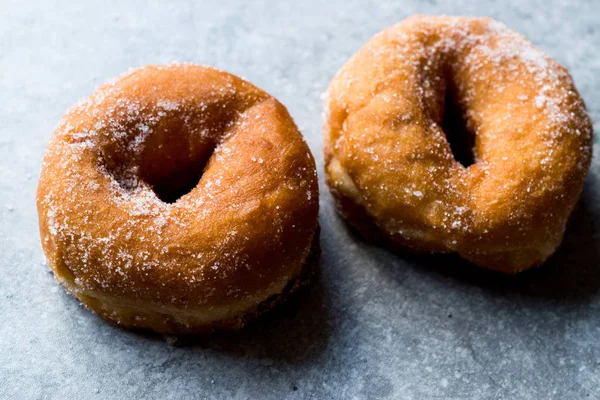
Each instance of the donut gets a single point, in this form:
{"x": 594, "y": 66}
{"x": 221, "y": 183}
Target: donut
{"x": 418, "y": 90}
{"x": 179, "y": 199}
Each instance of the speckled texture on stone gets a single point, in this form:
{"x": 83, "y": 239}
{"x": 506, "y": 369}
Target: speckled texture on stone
{"x": 375, "y": 324}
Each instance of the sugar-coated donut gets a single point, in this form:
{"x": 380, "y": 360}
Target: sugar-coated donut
{"x": 391, "y": 169}
{"x": 122, "y": 234}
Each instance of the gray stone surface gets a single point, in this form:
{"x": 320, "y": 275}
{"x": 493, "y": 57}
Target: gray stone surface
{"x": 375, "y": 324}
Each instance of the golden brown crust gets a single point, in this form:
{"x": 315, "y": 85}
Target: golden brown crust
{"x": 193, "y": 321}
{"x": 237, "y": 238}
{"x": 391, "y": 170}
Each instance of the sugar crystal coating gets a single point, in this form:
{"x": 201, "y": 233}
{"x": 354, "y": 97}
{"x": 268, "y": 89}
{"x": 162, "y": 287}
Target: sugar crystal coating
{"x": 242, "y": 232}
{"x": 387, "y": 156}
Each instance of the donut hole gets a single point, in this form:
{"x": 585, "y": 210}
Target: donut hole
{"x": 166, "y": 149}
{"x": 176, "y": 154}
{"x": 171, "y": 170}
{"x": 172, "y": 175}
{"x": 455, "y": 127}
{"x": 173, "y": 162}
{"x": 172, "y": 187}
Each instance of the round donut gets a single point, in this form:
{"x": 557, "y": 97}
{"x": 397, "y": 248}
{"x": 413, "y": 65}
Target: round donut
{"x": 179, "y": 199}
{"x": 392, "y": 171}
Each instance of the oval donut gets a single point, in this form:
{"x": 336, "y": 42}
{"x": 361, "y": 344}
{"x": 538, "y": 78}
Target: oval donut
{"x": 121, "y": 233}
{"x": 389, "y": 164}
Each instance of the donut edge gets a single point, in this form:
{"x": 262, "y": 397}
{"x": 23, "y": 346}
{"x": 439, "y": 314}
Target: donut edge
{"x": 167, "y": 327}
{"x": 508, "y": 262}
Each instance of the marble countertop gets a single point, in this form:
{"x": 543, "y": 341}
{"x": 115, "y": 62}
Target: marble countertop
{"x": 374, "y": 324}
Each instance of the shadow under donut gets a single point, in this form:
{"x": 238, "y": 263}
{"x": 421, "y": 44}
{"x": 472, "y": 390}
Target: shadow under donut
{"x": 295, "y": 331}
{"x": 572, "y": 273}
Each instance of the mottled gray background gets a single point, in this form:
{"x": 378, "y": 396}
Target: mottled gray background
{"x": 375, "y": 324}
